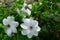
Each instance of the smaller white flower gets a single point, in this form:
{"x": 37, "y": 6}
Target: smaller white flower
{"x": 18, "y": 11}
{"x": 26, "y": 8}
{"x": 30, "y": 27}
{"x": 10, "y": 25}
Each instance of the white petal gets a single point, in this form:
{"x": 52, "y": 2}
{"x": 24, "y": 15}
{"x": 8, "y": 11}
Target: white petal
{"x": 9, "y": 32}
{"x": 18, "y": 11}
{"x": 36, "y": 33}
{"x": 26, "y": 21}
{"x": 35, "y": 30}
{"x": 38, "y": 28}
{"x": 14, "y": 24}
{"x": 24, "y": 26}
{"x": 5, "y": 22}
{"x": 30, "y": 6}
{"x": 14, "y": 30}
{"x": 30, "y": 35}
{"x": 10, "y": 18}
{"x": 33, "y": 22}
{"x": 25, "y": 32}
{"x": 28, "y": 11}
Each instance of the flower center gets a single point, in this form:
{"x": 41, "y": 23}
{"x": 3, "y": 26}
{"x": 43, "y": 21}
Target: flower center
{"x": 31, "y": 27}
{"x": 26, "y": 7}
{"x": 8, "y": 26}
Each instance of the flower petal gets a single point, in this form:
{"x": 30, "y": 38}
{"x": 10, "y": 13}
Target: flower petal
{"x": 5, "y": 22}
{"x": 28, "y": 11}
{"x": 14, "y": 30}
{"x": 33, "y": 22}
{"x": 30, "y": 6}
{"x": 38, "y": 28}
{"x": 25, "y": 32}
{"x": 30, "y": 35}
{"x": 26, "y": 21}
{"x": 36, "y": 33}
{"x": 10, "y": 18}
{"x": 24, "y": 26}
{"x": 8, "y": 31}
{"x": 14, "y": 24}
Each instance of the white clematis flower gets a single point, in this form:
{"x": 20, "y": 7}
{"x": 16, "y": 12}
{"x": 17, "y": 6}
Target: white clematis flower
{"x": 26, "y": 8}
{"x": 30, "y": 27}
{"x": 10, "y": 25}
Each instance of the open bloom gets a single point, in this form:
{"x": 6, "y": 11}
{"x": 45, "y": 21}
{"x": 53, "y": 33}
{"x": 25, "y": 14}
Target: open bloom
{"x": 30, "y": 27}
{"x": 26, "y": 8}
{"x": 10, "y": 25}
